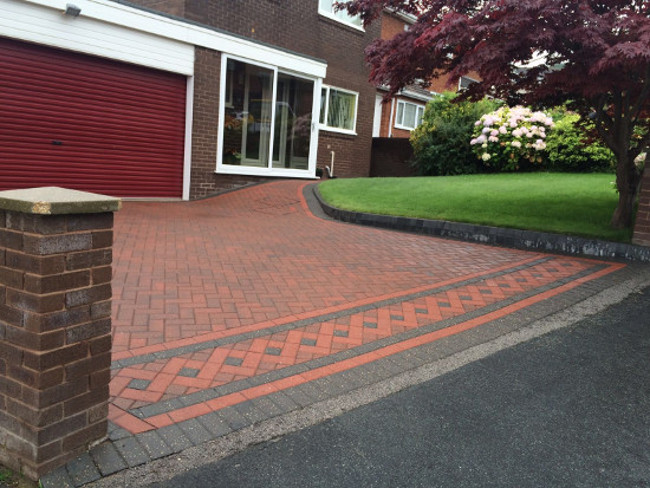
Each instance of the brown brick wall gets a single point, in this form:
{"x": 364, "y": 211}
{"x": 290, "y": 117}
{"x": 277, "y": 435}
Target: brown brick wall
{"x": 391, "y": 158}
{"x": 384, "y": 128}
{"x": 173, "y": 7}
{"x": 55, "y": 337}
{"x": 296, "y": 26}
{"x": 391, "y": 26}
{"x": 642, "y": 226}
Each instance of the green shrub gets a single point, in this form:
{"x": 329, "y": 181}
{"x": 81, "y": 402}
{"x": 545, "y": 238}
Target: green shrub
{"x": 511, "y": 138}
{"x": 441, "y": 143}
{"x": 568, "y": 148}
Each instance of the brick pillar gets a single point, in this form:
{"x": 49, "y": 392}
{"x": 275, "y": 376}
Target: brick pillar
{"x": 55, "y": 325}
{"x": 642, "y": 225}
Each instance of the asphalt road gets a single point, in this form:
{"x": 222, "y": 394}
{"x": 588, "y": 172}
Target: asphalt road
{"x": 570, "y": 408}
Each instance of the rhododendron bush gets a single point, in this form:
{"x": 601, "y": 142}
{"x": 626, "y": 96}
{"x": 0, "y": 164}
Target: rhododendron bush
{"x": 509, "y": 136}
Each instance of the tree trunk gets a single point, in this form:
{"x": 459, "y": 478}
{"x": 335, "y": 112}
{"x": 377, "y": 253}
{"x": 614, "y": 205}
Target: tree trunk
{"x": 628, "y": 178}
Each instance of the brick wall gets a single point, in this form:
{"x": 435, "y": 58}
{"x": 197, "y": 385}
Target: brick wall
{"x": 173, "y": 7}
{"x": 55, "y": 337}
{"x": 298, "y": 26}
{"x": 642, "y": 226}
{"x": 391, "y": 26}
{"x": 391, "y": 157}
{"x": 292, "y": 25}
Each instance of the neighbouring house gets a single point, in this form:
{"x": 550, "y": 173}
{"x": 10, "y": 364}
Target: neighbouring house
{"x": 397, "y": 117}
{"x": 180, "y": 98}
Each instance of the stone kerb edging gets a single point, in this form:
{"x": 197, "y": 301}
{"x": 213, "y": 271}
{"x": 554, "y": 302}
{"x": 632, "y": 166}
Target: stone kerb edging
{"x": 515, "y": 238}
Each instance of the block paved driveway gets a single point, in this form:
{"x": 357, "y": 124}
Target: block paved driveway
{"x": 235, "y": 309}
{"x": 211, "y": 294}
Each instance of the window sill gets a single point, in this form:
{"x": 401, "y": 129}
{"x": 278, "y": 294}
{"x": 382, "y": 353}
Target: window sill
{"x": 226, "y": 169}
{"x": 337, "y": 131}
{"x": 403, "y": 127}
{"x": 341, "y": 22}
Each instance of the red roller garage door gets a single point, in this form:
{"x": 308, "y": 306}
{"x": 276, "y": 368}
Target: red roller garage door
{"x": 88, "y": 123}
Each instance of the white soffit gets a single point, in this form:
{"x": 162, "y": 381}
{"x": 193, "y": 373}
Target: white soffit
{"x": 153, "y": 39}
{"x": 87, "y": 34}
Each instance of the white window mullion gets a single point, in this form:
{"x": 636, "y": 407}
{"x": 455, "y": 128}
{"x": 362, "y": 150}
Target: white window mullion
{"x": 315, "y": 124}
{"x": 274, "y": 96}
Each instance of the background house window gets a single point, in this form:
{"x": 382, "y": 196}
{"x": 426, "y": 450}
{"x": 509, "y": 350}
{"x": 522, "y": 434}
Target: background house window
{"x": 409, "y": 115}
{"x": 338, "y": 109}
{"x": 464, "y": 82}
{"x": 326, "y": 7}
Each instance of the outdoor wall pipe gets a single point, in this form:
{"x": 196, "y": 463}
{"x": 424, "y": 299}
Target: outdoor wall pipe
{"x": 330, "y": 168}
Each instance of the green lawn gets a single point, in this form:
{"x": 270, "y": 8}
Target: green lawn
{"x": 576, "y": 204}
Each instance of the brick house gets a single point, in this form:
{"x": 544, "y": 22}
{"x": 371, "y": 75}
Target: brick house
{"x": 180, "y": 98}
{"x": 403, "y": 113}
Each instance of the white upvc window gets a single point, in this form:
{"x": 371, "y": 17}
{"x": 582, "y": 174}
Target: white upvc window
{"x": 338, "y": 110}
{"x": 326, "y": 8}
{"x": 409, "y": 115}
{"x": 267, "y": 124}
{"x": 464, "y": 82}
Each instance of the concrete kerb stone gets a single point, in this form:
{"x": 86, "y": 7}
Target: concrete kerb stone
{"x": 514, "y": 238}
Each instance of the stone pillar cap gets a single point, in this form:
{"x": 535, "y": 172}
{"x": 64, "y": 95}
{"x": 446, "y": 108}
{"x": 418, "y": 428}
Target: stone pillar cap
{"x": 52, "y": 200}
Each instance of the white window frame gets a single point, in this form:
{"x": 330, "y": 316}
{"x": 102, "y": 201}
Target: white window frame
{"x": 400, "y": 124}
{"x": 324, "y": 126}
{"x": 460, "y": 82}
{"x": 268, "y": 170}
{"x": 331, "y": 15}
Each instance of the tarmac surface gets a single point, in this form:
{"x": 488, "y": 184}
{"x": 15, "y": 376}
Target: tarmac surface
{"x": 570, "y": 408}
{"x": 242, "y": 318}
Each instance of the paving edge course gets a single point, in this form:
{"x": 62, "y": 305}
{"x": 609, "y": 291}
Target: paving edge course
{"x": 559, "y": 312}
{"x": 514, "y": 238}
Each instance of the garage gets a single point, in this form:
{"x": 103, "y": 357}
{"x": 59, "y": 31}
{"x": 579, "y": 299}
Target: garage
{"x": 89, "y": 123}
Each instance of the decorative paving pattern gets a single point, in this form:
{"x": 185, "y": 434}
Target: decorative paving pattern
{"x": 153, "y": 392}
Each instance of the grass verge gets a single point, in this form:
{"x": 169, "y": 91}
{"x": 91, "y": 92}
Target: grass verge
{"x": 565, "y": 203}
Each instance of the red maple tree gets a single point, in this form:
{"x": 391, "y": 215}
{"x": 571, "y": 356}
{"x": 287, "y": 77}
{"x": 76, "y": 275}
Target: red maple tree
{"x": 594, "y": 54}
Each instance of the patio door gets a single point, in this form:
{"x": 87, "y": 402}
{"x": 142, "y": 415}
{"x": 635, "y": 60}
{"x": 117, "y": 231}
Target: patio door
{"x": 267, "y": 121}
